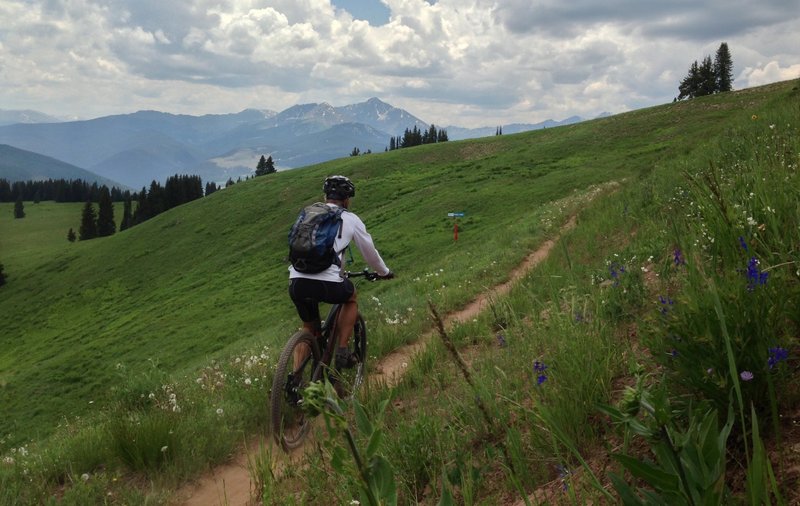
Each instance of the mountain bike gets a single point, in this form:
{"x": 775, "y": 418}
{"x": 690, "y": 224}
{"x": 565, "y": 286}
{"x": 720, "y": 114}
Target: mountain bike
{"x": 307, "y": 358}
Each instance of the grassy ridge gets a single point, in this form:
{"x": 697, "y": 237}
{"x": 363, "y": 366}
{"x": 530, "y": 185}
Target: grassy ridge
{"x": 208, "y": 279}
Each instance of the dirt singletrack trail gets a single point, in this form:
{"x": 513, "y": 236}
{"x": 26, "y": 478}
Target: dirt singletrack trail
{"x": 231, "y": 485}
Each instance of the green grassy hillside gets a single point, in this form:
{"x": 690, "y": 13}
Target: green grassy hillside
{"x": 208, "y": 279}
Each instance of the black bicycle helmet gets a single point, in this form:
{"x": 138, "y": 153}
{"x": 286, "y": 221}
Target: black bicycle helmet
{"x": 338, "y": 188}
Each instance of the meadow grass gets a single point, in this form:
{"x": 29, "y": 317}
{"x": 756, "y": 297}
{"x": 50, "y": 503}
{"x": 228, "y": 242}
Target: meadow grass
{"x": 174, "y": 325}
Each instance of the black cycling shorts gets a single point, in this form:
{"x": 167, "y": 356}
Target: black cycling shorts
{"x": 308, "y": 293}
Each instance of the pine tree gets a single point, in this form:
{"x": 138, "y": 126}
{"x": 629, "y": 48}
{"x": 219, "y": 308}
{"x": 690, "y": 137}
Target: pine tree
{"x": 271, "y": 165}
{"x": 127, "y": 216}
{"x": 105, "y": 214}
{"x": 71, "y": 235}
{"x": 155, "y": 199}
{"x": 19, "y": 208}
{"x": 691, "y": 83}
{"x": 723, "y": 68}
{"x": 142, "y": 211}
{"x": 88, "y": 228}
{"x": 261, "y": 168}
{"x": 708, "y": 80}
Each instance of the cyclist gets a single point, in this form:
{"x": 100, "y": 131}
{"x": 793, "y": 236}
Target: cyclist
{"x": 330, "y": 286}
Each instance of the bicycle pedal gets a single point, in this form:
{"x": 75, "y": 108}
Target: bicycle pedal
{"x": 347, "y": 361}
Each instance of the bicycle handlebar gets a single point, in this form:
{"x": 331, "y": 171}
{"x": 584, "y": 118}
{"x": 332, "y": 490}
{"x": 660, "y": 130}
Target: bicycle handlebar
{"x": 366, "y": 273}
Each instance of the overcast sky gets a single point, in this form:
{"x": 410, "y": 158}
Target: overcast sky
{"x": 450, "y": 62}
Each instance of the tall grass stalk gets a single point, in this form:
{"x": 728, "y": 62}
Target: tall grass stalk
{"x": 732, "y": 369}
{"x": 487, "y": 418}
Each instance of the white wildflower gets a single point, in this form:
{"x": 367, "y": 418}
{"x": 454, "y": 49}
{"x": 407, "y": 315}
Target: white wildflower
{"x": 164, "y": 449}
{"x": 248, "y": 381}
{"x": 220, "y": 411}
{"x": 85, "y": 476}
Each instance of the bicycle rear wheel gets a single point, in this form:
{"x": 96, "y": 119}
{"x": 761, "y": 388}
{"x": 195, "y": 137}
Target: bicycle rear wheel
{"x": 348, "y": 381}
{"x": 296, "y": 366}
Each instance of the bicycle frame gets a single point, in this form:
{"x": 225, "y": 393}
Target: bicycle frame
{"x": 326, "y": 338}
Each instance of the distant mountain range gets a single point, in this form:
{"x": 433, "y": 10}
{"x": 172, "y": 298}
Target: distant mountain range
{"x": 137, "y": 148}
{"x": 20, "y": 165}
{"x": 11, "y": 117}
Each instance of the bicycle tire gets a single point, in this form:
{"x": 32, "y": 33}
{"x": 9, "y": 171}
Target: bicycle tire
{"x": 348, "y": 381}
{"x": 290, "y": 423}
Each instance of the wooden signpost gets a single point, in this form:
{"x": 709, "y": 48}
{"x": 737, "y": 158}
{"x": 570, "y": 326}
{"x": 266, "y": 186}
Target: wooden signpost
{"x": 455, "y": 217}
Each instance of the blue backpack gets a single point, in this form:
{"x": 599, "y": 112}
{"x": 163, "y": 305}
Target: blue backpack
{"x": 312, "y": 237}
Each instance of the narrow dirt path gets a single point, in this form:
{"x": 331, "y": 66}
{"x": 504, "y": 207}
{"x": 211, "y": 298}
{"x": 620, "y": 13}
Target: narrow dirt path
{"x": 231, "y": 485}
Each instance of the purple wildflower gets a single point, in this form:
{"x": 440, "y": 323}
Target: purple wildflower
{"x": 755, "y": 276}
{"x": 678, "y": 257}
{"x": 564, "y": 474}
{"x": 777, "y": 355}
{"x": 665, "y": 303}
{"x": 746, "y": 375}
{"x": 538, "y": 371}
{"x": 615, "y": 270}
{"x": 743, "y": 243}
{"x": 501, "y": 340}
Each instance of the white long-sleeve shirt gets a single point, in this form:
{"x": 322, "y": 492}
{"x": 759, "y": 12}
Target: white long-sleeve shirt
{"x": 353, "y": 229}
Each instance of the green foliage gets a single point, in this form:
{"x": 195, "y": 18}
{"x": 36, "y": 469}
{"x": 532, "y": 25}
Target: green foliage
{"x": 19, "y": 209}
{"x": 265, "y": 166}
{"x": 708, "y": 77}
{"x": 690, "y": 461}
{"x": 88, "y": 229}
{"x": 737, "y": 269}
{"x": 105, "y": 214}
{"x": 377, "y": 482}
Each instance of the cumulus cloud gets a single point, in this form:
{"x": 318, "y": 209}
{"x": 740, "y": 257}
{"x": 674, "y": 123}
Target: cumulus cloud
{"x": 465, "y": 62}
{"x": 769, "y": 73}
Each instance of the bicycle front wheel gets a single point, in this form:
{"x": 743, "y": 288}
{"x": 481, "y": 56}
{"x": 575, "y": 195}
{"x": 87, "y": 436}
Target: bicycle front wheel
{"x": 296, "y": 366}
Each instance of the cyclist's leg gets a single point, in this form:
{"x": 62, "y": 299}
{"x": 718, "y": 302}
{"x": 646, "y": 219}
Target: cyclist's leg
{"x": 347, "y": 320}
{"x": 301, "y": 293}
